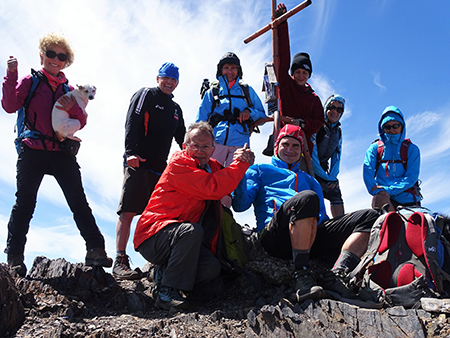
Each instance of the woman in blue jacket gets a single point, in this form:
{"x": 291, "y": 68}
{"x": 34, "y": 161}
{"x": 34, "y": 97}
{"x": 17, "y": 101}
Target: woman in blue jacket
{"x": 326, "y": 154}
{"x": 233, "y": 112}
{"x": 392, "y": 166}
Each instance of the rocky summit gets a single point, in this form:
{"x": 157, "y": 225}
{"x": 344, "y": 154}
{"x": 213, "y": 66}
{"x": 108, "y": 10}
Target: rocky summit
{"x": 61, "y": 299}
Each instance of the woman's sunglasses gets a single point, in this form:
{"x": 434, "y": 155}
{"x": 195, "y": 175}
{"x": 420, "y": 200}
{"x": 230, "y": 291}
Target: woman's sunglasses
{"x": 52, "y": 54}
{"x": 340, "y": 110}
{"x": 394, "y": 126}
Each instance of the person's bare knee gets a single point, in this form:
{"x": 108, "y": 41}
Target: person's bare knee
{"x": 357, "y": 243}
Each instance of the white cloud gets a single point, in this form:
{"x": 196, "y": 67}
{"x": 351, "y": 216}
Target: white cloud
{"x": 421, "y": 123}
{"x": 377, "y": 80}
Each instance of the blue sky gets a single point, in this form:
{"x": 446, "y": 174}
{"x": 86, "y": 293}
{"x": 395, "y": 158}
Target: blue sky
{"x": 374, "y": 53}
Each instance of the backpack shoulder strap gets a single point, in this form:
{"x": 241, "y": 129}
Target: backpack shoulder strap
{"x": 215, "y": 88}
{"x": 380, "y": 151}
{"x": 246, "y": 91}
{"x": 35, "y": 79}
{"x": 404, "y": 151}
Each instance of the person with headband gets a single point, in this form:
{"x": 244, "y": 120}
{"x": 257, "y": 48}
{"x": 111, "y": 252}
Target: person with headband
{"x": 292, "y": 222}
{"x": 392, "y": 164}
{"x": 326, "y": 154}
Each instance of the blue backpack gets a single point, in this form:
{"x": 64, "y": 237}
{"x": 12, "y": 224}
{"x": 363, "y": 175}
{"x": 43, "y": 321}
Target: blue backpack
{"x": 24, "y": 127}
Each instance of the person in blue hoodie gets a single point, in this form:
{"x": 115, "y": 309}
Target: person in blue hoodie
{"x": 326, "y": 154}
{"x": 389, "y": 180}
{"x": 292, "y": 221}
{"x": 232, "y": 112}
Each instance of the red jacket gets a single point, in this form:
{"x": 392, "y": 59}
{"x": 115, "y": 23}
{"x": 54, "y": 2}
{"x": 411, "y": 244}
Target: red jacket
{"x": 297, "y": 101}
{"x": 182, "y": 192}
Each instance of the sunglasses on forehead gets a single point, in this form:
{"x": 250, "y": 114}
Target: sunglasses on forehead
{"x": 394, "y": 126}
{"x": 340, "y": 110}
{"x": 52, "y": 54}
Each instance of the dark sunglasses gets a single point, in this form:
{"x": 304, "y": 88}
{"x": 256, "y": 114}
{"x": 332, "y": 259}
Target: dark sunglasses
{"x": 340, "y": 110}
{"x": 395, "y": 126}
{"x": 52, "y": 54}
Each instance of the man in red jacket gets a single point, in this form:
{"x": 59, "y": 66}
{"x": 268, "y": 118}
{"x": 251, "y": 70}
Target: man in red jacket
{"x": 179, "y": 229}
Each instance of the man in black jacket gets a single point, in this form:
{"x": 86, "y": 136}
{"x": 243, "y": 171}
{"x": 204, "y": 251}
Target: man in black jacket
{"x": 153, "y": 120}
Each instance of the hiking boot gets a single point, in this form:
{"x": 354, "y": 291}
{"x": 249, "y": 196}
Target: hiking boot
{"x": 16, "y": 264}
{"x": 333, "y": 281}
{"x": 306, "y": 286}
{"x": 121, "y": 269}
{"x": 98, "y": 257}
{"x": 168, "y": 298}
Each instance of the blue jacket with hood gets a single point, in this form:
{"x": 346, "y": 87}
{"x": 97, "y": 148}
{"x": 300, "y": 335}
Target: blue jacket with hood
{"x": 268, "y": 186}
{"x": 392, "y": 177}
{"x": 226, "y": 133}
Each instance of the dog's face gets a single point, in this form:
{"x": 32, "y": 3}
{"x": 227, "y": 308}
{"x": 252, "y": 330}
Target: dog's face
{"x": 88, "y": 91}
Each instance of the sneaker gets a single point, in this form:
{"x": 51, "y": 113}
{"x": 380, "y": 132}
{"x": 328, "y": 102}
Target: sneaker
{"x": 168, "y": 298}
{"x": 15, "y": 262}
{"x": 121, "y": 269}
{"x": 306, "y": 286}
{"x": 334, "y": 281}
{"x": 98, "y": 257}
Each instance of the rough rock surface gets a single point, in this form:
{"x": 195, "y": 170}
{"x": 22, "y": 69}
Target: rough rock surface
{"x": 60, "y": 299}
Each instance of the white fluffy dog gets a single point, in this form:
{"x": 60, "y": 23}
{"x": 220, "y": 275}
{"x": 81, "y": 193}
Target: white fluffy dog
{"x": 62, "y": 124}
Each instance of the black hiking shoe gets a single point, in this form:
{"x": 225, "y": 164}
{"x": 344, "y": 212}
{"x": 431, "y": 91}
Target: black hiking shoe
{"x": 121, "y": 269}
{"x": 270, "y": 144}
{"x": 16, "y": 264}
{"x": 98, "y": 257}
{"x": 306, "y": 286}
{"x": 168, "y": 298}
{"x": 334, "y": 282}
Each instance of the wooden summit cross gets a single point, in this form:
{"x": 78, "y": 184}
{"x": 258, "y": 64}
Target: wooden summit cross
{"x": 273, "y": 25}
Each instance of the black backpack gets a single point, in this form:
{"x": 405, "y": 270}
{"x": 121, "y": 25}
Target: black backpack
{"x": 214, "y": 119}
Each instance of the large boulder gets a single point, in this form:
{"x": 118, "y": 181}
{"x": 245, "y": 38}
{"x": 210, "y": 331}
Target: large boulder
{"x": 12, "y": 314}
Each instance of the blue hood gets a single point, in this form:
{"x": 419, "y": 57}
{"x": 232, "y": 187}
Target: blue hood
{"x": 387, "y": 111}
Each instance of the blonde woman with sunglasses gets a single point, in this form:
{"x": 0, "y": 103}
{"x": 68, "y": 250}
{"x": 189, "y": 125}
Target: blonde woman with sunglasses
{"x": 40, "y": 153}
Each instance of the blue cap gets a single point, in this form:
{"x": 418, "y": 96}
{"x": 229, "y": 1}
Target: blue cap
{"x": 169, "y": 70}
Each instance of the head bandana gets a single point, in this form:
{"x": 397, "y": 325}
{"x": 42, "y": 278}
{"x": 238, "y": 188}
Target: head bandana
{"x": 289, "y": 130}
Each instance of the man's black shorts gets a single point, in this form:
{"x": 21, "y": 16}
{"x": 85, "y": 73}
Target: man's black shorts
{"x": 138, "y": 185}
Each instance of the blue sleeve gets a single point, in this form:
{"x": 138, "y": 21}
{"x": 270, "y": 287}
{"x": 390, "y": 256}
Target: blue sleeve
{"x": 246, "y": 191}
{"x": 205, "y": 107}
{"x": 335, "y": 162}
{"x": 370, "y": 162}
{"x": 315, "y": 186}
{"x": 411, "y": 175}
{"x": 318, "y": 170}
